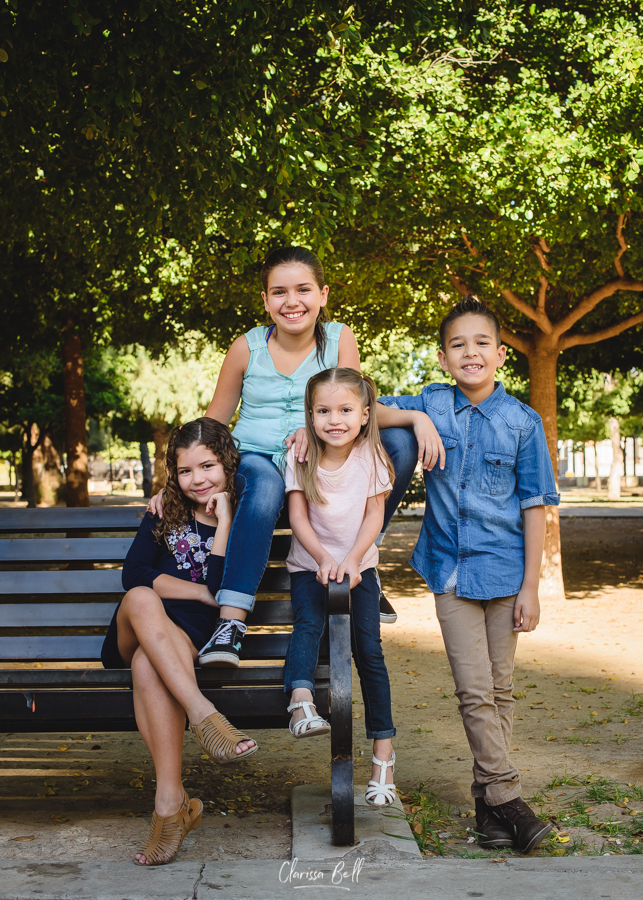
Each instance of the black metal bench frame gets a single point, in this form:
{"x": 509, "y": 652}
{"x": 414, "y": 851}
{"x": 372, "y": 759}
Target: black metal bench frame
{"x": 63, "y": 590}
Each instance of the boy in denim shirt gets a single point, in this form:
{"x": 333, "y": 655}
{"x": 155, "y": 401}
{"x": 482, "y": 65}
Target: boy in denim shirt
{"x": 480, "y": 551}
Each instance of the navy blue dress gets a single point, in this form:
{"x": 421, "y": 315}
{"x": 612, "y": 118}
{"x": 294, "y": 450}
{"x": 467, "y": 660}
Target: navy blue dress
{"x": 186, "y": 557}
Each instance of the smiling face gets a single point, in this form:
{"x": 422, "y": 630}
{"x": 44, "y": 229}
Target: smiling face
{"x": 338, "y": 415}
{"x": 471, "y": 355}
{"x": 293, "y": 297}
{"x": 199, "y": 473}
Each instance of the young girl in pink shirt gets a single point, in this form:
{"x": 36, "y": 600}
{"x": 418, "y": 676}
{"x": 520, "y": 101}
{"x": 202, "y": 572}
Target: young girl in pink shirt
{"x": 336, "y": 507}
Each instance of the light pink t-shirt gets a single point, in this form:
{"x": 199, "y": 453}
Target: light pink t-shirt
{"x": 337, "y": 522}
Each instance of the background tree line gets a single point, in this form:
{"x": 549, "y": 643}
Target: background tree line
{"x": 153, "y": 152}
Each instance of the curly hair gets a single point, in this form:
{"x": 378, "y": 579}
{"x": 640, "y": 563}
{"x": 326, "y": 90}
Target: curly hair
{"x": 177, "y": 508}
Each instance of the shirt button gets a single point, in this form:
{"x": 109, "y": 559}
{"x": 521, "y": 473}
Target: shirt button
{"x": 463, "y": 486}
{"x": 470, "y": 446}
{"x": 497, "y": 462}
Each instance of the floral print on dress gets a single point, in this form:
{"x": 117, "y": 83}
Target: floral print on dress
{"x": 190, "y": 551}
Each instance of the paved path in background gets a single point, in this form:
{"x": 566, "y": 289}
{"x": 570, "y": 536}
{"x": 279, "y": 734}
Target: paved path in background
{"x": 611, "y": 878}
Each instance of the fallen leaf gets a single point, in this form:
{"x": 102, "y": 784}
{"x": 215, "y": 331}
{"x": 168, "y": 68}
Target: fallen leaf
{"x": 204, "y": 756}
{"x": 63, "y": 747}
{"x": 420, "y": 705}
{"x": 552, "y": 738}
{"x": 24, "y": 837}
{"x": 357, "y": 715}
{"x": 499, "y": 859}
{"x": 186, "y": 771}
{"x": 137, "y": 770}
{"x": 621, "y": 804}
{"x": 519, "y": 695}
{"x": 417, "y": 828}
{"x": 287, "y": 748}
{"x": 589, "y": 809}
{"x": 563, "y": 839}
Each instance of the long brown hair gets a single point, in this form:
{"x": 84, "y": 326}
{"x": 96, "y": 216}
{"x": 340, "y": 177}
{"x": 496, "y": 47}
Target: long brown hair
{"x": 366, "y": 392}
{"x": 287, "y": 256}
{"x": 177, "y": 508}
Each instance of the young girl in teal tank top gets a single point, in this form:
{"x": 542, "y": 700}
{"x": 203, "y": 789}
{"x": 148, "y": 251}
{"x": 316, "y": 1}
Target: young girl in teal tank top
{"x": 267, "y": 369}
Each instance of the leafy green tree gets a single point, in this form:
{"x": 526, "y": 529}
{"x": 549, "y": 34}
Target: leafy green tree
{"x": 513, "y": 172}
{"x": 131, "y": 130}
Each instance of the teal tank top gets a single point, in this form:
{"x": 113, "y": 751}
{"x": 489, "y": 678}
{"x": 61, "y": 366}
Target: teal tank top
{"x": 272, "y": 404}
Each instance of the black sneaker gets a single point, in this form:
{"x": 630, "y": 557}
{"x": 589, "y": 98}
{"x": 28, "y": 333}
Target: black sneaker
{"x": 387, "y": 613}
{"x": 223, "y": 647}
{"x": 488, "y": 832}
{"x": 522, "y": 823}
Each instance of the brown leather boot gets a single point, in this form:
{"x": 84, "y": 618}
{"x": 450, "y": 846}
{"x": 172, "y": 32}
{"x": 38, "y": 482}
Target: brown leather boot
{"x": 488, "y": 832}
{"x": 522, "y": 823}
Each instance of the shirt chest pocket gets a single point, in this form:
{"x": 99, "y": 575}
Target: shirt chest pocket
{"x": 449, "y": 445}
{"x": 497, "y": 473}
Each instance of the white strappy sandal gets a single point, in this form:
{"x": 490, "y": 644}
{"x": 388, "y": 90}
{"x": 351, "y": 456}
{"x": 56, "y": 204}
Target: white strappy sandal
{"x": 310, "y": 725}
{"x": 379, "y": 793}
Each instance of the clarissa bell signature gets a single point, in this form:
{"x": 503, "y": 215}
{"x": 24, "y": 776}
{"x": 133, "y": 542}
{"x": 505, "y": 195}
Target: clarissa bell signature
{"x": 338, "y": 878}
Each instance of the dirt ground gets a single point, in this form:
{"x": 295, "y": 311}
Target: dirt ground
{"x": 578, "y": 714}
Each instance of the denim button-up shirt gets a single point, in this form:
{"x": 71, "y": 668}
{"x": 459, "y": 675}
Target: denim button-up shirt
{"x": 497, "y": 464}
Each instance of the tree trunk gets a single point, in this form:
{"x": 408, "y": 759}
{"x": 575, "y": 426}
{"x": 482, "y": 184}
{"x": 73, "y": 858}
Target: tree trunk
{"x": 542, "y": 397}
{"x": 616, "y": 469}
{"x": 159, "y": 436}
{"x": 77, "y": 490}
{"x": 31, "y": 441}
{"x": 598, "y": 477}
{"x": 147, "y": 469}
{"x": 47, "y": 471}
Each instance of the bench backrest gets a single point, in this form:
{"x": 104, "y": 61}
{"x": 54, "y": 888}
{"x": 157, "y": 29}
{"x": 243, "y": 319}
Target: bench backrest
{"x": 60, "y": 581}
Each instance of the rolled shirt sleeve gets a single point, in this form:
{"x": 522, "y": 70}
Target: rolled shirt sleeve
{"x": 535, "y": 482}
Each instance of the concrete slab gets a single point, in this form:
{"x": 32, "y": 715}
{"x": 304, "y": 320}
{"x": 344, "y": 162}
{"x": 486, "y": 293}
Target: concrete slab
{"x": 381, "y": 834}
{"x": 104, "y": 880}
{"x": 601, "y": 878}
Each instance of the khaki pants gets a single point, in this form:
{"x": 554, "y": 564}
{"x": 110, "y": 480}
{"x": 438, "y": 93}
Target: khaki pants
{"x": 481, "y": 644}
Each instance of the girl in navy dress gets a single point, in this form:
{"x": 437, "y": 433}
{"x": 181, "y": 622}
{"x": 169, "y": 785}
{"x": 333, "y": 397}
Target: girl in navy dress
{"x": 171, "y": 574}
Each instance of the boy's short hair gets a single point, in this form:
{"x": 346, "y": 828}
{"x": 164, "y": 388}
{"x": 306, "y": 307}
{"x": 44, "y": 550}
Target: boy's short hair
{"x": 469, "y": 306}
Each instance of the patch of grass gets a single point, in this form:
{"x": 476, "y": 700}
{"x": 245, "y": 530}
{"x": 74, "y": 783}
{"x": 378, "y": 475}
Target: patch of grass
{"x": 430, "y": 817}
{"x": 620, "y": 739}
{"x": 577, "y": 739}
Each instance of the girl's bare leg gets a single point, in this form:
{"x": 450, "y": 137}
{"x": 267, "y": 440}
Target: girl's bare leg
{"x": 142, "y": 621}
{"x": 161, "y": 722}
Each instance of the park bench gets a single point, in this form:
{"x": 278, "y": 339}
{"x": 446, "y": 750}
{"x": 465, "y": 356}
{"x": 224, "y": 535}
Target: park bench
{"x": 60, "y": 581}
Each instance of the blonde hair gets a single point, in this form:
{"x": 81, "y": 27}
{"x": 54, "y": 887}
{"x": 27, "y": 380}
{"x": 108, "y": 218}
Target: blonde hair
{"x": 364, "y": 389}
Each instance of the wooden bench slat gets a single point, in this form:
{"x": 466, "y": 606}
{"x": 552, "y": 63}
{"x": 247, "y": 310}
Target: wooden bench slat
{"x": 83, "y": 581}
{"x": 104, "y": 581}
{"x": 68, "y": 615}
{"x": 35, "y": 550}
{"x": 88, "y": 647}
{"x": 46, "y": 521}
{"x": 25, "y": 679}
{"x": 119, "y": 703}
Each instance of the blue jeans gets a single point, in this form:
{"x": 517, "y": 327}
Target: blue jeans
{"x": 402, "y": 448}
{"x": 308, "y": 598}
{"x": 260, "y": 489}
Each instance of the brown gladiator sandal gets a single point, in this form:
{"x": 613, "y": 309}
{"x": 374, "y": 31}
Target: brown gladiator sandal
{"x": 219, "y": 739}
{"x": 167, "y": 833}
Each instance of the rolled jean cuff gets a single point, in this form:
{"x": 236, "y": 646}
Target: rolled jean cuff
{"x": 378, "y": 540}
{"x": 380, "y": 735}
{"x": 235, "y": 598}
{"x": 299, "y": 684}
{"x": 495, "y": 794}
